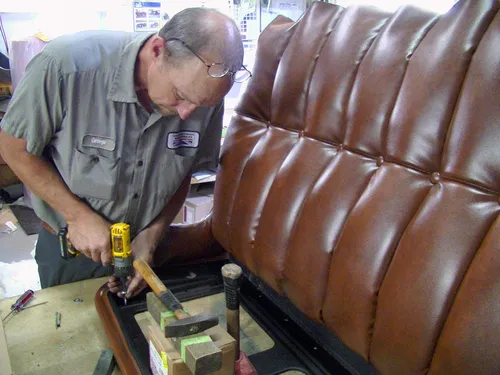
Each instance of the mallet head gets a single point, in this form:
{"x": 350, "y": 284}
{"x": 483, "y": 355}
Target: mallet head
{"x": 191, "y": 325}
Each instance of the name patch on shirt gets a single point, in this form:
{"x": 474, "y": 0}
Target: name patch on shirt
{"x": 183, "y": 139}
{"x": 96, "y": 141}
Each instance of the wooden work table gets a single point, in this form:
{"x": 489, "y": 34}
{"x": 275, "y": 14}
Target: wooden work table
{"x": 36, "y": 346}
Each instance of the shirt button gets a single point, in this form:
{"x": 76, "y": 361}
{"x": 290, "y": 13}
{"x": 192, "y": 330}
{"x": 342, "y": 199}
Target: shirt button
{"x": 135, "y": 196}
{"x": 140, "y": 163}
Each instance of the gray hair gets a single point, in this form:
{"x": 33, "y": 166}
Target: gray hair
{"x": 196, "y": 28}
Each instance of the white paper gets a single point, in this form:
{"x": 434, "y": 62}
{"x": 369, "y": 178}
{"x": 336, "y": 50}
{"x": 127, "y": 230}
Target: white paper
{"x": 155, "y": 362}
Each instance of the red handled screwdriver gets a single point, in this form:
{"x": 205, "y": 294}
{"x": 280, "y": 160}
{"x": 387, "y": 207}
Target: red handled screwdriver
{"x": 21, "y": 302}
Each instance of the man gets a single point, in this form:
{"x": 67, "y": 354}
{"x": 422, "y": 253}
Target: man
{"x": 106, "y": 127}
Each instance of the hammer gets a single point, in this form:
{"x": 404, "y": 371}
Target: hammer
{"x": 231, "y": 274}
{"x": 197, "y": 349}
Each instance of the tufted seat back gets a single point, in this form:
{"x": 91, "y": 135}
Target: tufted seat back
{"x": 360, "y": 179}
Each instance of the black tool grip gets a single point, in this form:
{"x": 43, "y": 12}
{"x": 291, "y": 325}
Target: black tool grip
{"x": 231, "y": 274}
{"x": 232, "y": 291}
{"x": 170, "y": 301}
{"x": 66, "y": 247}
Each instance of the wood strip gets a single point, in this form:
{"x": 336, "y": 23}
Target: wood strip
{"x": 5, "y": 367}
{"x": 123, "y": 355}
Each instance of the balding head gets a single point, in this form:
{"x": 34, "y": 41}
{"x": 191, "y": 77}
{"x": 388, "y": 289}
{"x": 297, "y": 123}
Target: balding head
{"x": 169, "y": 69}
{"x": 208, "y": 33}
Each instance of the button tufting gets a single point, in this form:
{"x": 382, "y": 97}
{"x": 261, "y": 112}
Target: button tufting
{"x": 435, "y": 177}
{"x": 380, "y": 161}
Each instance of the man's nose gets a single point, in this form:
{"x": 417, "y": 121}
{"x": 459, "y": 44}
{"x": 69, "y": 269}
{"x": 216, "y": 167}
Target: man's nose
{"x": 185, "y": 110}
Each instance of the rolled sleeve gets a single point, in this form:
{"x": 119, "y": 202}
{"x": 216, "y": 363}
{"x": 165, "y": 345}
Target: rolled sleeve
{"x": 36, "y": 109}
{"x": 208, "y": 155}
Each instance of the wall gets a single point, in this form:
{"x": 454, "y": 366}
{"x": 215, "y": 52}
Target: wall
{"x": 56, "y": 17}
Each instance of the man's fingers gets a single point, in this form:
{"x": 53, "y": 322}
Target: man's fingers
{"x": 112, "y": 279}
{"x": 96, "y": 256}
{"x": 106, "y": 258}
{"x": 114, "y": 289}
{"x": 114, "y": 284}
{"x": 91, "y": 235}
{"x": 102, "y": 256}
{"x": 134, "y": 284}
{"x": 137, "y": 284}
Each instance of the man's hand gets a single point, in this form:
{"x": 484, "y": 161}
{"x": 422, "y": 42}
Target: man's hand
{"x": 90, "y": 234}
{"x": 145, "y": 243}
{"x": 143, "y": 247}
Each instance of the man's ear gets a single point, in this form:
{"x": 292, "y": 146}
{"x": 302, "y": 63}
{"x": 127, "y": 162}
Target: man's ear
{"x": 158, "y": 45}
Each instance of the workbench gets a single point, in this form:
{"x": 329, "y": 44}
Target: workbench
{"x": 36, "y": 346}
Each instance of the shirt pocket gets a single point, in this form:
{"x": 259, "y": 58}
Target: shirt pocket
{"x": 94, "y": 176}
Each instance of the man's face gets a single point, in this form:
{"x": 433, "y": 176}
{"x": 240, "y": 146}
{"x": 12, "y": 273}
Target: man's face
{"x": 179, "y": 89}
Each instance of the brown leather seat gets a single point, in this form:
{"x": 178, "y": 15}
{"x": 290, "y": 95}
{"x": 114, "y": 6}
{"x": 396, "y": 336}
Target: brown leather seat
{"x": 360, "y": 179}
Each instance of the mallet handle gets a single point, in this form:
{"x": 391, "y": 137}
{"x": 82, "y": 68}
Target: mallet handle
{"x": 160, "y": 289}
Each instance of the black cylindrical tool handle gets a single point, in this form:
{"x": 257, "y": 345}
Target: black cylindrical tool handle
{"x": 231, "y": 274}
{"x": 231, "y": 288}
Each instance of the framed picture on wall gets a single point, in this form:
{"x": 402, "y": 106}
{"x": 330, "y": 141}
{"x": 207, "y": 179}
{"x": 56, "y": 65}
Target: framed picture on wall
{"x": 147, "y": 16}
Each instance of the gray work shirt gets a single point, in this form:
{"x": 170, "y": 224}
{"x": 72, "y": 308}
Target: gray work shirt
{"x": 77, "y": 107}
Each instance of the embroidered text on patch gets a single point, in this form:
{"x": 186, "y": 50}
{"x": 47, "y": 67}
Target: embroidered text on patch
{"x": 187, "y": 139}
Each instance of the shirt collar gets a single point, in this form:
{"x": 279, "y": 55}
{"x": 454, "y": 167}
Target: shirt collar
{"x": 123, "y": 87}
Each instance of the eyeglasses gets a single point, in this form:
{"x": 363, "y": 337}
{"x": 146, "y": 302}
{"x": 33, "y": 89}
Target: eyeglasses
{"x": 219, "y": 70}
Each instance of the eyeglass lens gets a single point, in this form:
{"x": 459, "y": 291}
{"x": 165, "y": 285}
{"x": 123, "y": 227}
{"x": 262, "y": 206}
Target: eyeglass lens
{"x": 241, "y": 75}
{"x": 218, "y": 70}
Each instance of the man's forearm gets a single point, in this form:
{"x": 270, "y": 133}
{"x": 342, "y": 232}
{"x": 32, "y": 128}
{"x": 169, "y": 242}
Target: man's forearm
{"x": 40, "y": 177}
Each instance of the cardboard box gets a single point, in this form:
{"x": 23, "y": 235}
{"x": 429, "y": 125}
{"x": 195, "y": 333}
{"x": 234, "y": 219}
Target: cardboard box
{"x": 179, "y": 218}
{"x": 197, "y": 207}
{"x": 165, "y": 360}
{"x": 194, "y": 209}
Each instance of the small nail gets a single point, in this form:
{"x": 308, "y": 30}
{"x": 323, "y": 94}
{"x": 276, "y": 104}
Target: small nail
{"x": 57, "y": 316}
